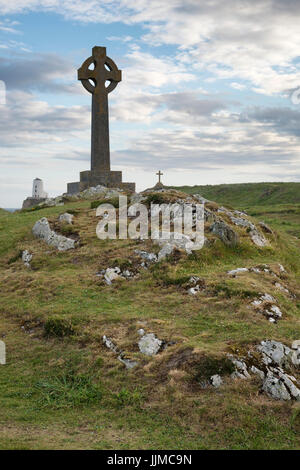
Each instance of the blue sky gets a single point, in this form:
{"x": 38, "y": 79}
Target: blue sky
{"x": 209, "y": 92}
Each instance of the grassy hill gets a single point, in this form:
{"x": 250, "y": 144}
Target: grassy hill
{"x": 62, "y": 389}
{"x": 248, "y": 194}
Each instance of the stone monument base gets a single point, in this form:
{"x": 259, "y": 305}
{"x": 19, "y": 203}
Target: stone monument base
{"x": 89, "y": 179}
{"x": 32, "y": 201}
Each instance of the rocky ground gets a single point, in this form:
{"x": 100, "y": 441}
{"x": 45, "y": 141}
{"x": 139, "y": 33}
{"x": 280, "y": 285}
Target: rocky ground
{"x": 187, "y": 333}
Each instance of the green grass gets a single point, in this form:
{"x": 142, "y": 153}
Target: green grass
{"x": 248, "y": 194}
{"x": 62, "y": 389}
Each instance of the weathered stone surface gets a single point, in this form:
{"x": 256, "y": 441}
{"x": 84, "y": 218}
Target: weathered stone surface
{"x": 94, "y": 81}
{"x": 274, "y": 352}
{"x": 225, "y": 233}
{"x": 257, "y": 238}
{"x": 66, "y": 217}
{"x": 171, "y": 240}
{"x": 242, "y": 222}
{"x": 216, "y": 380}
{"x": 128, "y": 363}
{"x": 112, "y": 274}
{"x": 275, "y": 388}
{"x": 109, "y": 344}
{"x": 241, "y": 369}
{"x": 296, "y": 344}
{"x": 236, "y": 271}
{"x": 265, "y": 227}
{"x": 149, "y": 344}
{"x": 26, "y": 258}
{"x": 42, "y": 230}
{"x": 151, "y": 257}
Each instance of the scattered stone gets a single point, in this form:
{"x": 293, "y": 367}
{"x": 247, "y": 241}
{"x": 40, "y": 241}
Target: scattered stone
{"x": 42, "y": 230}
{"x": 66, "y": 217}
{"x": 281, "y": 287}
{"x": 149, "y": 344}
{"x": 26, "y": 258}
{"x": 242, "y": 222}
{"x": 141, "y": 332}
{"x": 296, "y": 344}
{"x": 151, "y": 257}
{"x": 265, "y": 227}
{"x": 281, "y": 268}
{"x": 112, "y": 274}
{"x": 274, "y": 352}
{"x": 275, "y": 388}
{"x": 216, "y": 380}
{"x": 258, "y": 372}
{"x": 110, "y": 345}
{"x": 241, "y": 369}
{"x": 225, "y": 233}
{"x": 128, "y": 363}
{"x": 171, "y": 240}
{"x": 257, "y": 238}
{"x": 236, "y": 271}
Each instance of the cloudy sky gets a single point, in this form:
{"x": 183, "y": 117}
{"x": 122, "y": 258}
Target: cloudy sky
{"x": 210, "y": 91}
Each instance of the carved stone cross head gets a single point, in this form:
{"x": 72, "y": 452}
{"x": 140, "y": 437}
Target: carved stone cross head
{"x": 104, "y": 70}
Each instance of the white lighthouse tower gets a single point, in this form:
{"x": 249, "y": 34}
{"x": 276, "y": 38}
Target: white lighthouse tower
{"x": 38, "y": 189}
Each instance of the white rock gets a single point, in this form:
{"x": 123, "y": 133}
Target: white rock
{"x": 66, "y": 217}
{"x": 194, "y": 290}
{"x": 257, "y": 238}
{"x": 109, "y": 344}
{"x": 242, "y": 222}
{"x": 166, "y": 250}
{"x": 26, "y": 258}
{"x": 274, "y": 311}
{"x": 151, "y": 257}
{"x": 275, "y": 388}
{"x": 128, "y": 363}
{"x": 111, "y": 274}
{"x": 274, "y": 352}
{"x": 149, "y": 344}
{"x": 281, "y": 287}
{"x": 296, "y": 344}
{"x": 216, "y": 380}
{"x": 241, "y": 369}
{"x": 42, "y": 230}
{"x": 257, "y": 371}
{"x": 233, "y": 272}
{"x": 141, "y": 332}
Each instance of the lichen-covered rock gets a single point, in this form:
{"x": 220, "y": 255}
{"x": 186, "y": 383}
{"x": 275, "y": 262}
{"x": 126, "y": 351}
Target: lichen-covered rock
{"x": 42, "y": 230}
{"x": 241, "y": 371}
{"x": 225, "y": 233}
{"x": 274, "y": 352}
{"x": 66, "y": 217}
{"x": 149, "y": 344}
{"x": 275, "y": 388}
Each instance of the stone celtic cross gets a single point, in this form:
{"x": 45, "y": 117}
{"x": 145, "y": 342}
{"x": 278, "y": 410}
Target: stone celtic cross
{"x": 99, "y": 75}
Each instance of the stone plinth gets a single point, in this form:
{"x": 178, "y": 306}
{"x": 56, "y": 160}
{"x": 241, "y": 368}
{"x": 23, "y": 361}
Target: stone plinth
{"x": 89, "y": 179}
